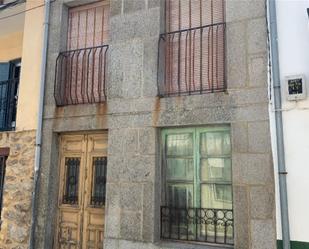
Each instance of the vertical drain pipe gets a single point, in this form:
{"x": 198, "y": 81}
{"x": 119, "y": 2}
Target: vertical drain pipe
{"x": 38, "y": 140}
{"x": 279, "y": 129}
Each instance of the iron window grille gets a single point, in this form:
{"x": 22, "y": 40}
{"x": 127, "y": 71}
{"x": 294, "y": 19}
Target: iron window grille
{"x": 71, "y": 181}
{"x": 192, "y": 50}
{"x": 80, "y": 75}
{"x": 98, "y": 181}
{"x": 8, "y": 104}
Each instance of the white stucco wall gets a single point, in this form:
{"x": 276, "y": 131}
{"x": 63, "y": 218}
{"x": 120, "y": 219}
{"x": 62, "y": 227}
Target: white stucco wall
{"x": 293, "y": 41}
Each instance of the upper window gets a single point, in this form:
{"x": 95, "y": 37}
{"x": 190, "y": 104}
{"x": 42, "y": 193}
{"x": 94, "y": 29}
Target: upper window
{"x": 9, "y": 81}
{"x": 192, "y": 49}
{"x": 80, "y": 71}
{"x": 197, "y": 201}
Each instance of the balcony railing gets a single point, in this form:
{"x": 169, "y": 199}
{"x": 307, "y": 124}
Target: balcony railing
{"x": 197, "y": 224}
{"x": 192, "y": 61}
{"x": 8, "y": 104}
{"x": 80, "y": 76}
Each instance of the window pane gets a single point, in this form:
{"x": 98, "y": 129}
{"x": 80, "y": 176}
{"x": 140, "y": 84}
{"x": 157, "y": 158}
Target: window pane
{"x": 216, "y": 169}
{"x": 179, "y": 145}
{"x": 180, "y": 169}
{"x": 215, "y": 143}
{"x": 180, "y": 196}
{"x": 216, "y": 196}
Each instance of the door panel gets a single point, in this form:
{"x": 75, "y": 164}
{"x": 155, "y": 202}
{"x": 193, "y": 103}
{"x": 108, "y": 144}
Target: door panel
{"x": 81, "y": 200}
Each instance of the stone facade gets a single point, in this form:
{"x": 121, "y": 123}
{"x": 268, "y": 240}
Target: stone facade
{"x": 18, "y": 186}
{"x": 134, "y": 115}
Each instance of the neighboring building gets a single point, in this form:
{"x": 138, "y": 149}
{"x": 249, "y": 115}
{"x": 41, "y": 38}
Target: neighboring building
{"x": 20, "y": 60}
{"x": 293, "y": 44}
{"x": 156, "y": 127}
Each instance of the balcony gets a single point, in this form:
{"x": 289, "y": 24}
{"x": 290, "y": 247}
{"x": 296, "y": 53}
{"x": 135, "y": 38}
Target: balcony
{"x": 192, "y": 61}
{"x": 80, "y": 76}
{"x": 197, "y": 224}
{"x": 8, "y": 104}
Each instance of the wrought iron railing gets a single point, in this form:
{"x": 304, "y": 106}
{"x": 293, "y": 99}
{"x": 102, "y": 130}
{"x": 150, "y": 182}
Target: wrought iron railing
{"x": 192, "y": 61}
{"x": 198, "y": 224}
{"x": 8, "y": 104}
{"x": 80, "y": 76}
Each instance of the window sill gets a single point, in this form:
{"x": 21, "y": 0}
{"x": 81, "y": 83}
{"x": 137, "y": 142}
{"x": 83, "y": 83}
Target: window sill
{"x": 177, "y": 244}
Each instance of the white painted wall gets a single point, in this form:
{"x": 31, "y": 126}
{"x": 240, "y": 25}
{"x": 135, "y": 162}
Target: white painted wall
{"x": 293, "y": 41}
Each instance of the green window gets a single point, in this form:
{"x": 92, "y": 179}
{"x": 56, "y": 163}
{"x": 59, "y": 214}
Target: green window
{"x": 197, "y": 175}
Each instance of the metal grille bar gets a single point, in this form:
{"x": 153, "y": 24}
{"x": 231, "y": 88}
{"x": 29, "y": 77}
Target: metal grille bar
{"x": 198, "y": 224}
{"x": 2, "y": 175}
{"x": 8, "y": 104}
{"x": 80, "y": 76}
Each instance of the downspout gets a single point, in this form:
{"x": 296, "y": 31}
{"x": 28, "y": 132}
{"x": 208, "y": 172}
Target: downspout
{"x": 279, "y": 128}
{"x": 38, "y": 140}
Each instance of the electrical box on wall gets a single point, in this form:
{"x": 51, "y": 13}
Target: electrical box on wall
{"x": 295, "y": 87}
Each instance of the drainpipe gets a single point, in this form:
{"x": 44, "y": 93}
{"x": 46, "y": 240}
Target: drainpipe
{"x": 38, "y": 140}
{"x": 279, "y": 129}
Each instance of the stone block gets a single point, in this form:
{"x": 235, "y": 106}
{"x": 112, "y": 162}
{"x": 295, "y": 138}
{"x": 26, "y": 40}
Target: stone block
{"x": 240, "y": 137}
{"x": 257, "y": 39}
{"x": 130, "y": 141}
{"x": 238, "y": 10}
{"x": 258, "y": 71}
{"x": 259, "y": 137}
{"x": 130, "y": 225}
{"x": 113, "y": 194}
{"x": 237, "y": 73}
{"x": 262, "y": 199}
{"x": 150, "y": 67}
{"x": 154, "y": 3}
{"x": 115, "y": 75}
{"x": 139, "y": 169}
{"x": 133, "y": 5}
{"x": 147, "y": 141}
{"x": 116, "y": 7}
{"x": 241, "y": 217}
{"x": 131, "y": 196}
{"x": 111, "y": 243}
{"x": 115, "y": 165}
{"x": 248, "y": 96}
{"x": 115, "y": 141}
{"x": 257, "y": 112}
{"x": 137, "y": 25}
{"x": 263, "y": 234}
{"x": 148, "y": 212}
{"x": 112, "y": 223}
{"x": 252, "y": 168}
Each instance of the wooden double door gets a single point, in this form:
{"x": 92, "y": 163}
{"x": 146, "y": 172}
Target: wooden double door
{"x": 81, "y": 201}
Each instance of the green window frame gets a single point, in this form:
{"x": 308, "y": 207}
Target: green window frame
{"x": 203, "y": 165}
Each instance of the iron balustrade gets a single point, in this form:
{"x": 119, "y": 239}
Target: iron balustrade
{"x": 197, "y": 224}
{"x": 192, "y": 61}
{"x": 80, "y": 76}
{"x": 8, "y": 104}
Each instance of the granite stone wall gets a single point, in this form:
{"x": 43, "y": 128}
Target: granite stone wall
{"x": 134, "y": 115}
{"x": 18, "y": 187}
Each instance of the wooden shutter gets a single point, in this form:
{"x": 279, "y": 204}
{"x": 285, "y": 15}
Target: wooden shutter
{"x": 194, "y": 47}
{"x": 88, "y": 25}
